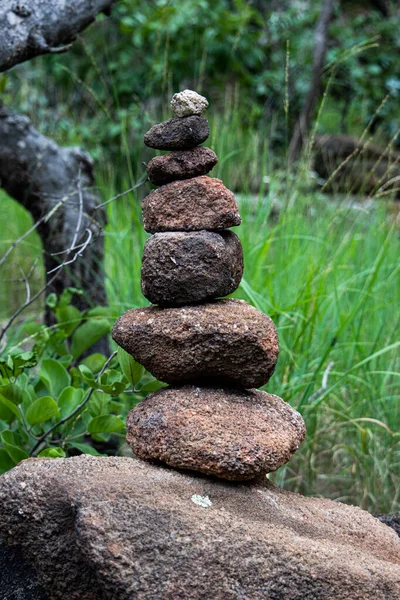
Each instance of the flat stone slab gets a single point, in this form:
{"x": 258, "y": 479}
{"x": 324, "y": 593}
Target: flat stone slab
{"x": 225, "y": 340}
{"x": 183, "y": 267}
{"x": 181, "y": 164}
{"x": 190, "y": 205}
{"x": 229, "y": 433}
{"x": 122, "y": 529}
{"x": 178, "y": 134}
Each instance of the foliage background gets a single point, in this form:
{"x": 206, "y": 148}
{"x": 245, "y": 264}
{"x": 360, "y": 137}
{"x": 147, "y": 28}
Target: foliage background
{"x": 324, "y": 267}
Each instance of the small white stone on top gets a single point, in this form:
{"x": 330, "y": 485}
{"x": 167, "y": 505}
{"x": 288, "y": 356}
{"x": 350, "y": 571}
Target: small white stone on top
{"x": 187, "y": 103}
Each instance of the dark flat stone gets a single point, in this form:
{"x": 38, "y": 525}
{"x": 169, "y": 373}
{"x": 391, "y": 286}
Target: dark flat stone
{"x": 178, "y": 134}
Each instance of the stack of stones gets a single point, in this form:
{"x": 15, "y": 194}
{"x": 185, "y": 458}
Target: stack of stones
{"x": 212, "y": 352}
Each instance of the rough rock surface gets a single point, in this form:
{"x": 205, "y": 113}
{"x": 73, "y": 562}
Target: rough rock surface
{"x": 18, "y": 580}
{"x": 225, "y": 340}
{"x": 188, "y": 103}
{"x": 178, "y": 134}
{"x": 192, "y": 204}
{"x": 229, "y": 433}
{"x": 122, "y": 529}
{"x": 182, "y": 267}
{"x": 181, "y": 164}
{"x": 392, "y": 520}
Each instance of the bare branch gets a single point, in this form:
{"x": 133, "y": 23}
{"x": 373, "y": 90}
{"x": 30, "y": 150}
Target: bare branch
{"x": 141, "y": 182}
{"x": 43, "y": 26}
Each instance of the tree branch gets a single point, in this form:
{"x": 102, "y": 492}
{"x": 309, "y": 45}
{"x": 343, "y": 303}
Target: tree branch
{"x": 55, "y": 185}
{"x": 321, "y": 40}
{"x": 33, "y": 27}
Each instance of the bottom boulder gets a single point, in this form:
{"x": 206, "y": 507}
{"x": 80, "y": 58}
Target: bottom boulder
{"x": 118, "y": 528}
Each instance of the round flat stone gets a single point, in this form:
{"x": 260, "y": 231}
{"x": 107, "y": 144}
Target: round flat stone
{"x": 190, "y": 205}
{"x": 188, "y": 103}
{"x": 181, "y": 164}
{"x": 184, "y": 267}
{"x": 178, "y": 134}
{"x": 225, "y": 340}
{"x": 229, "y": 433}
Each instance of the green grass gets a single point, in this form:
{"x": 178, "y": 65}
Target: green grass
{"x": 12, "y": 288}
{"x": 329, "y": 276}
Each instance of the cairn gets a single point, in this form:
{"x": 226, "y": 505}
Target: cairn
{"x": 212, "y": 352}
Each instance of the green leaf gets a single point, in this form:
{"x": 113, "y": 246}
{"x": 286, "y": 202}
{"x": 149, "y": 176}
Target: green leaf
{"x": 16, "y": 362}
{"x": 152, "y": 386}
{"x": 95, "y": 362}
{"x": 69, "y": 400}
{"x": 87, "y": 376}
{"x": 102, "y": 311}
{"x": 51, "y": 300}
{"x": 54, "y": 375}
{"x": 12, "y": 392}
{"x": 8, "y": 410}
{"x": 88, "y": 334}
{"x": 99, "y": 404}
{"x": 54, "y": 452}
{"x": 68, "y": 318}
{"x": 106, "y": 424}
{"x": 132, "y": 370}
{"x": 66, "y": 296}
{"x": 85, "y": 448}
{"x": 6, "y": 462}
{"x": 110, "y": 382}
{"x": 14, "y": 450}
{"x": 66, "y": 360}
{"x": 42, "y": 410}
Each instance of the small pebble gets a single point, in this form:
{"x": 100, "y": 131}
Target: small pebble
{"x": 188, "y": 103}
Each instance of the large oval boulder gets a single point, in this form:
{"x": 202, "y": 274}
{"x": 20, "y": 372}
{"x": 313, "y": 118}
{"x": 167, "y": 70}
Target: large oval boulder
{"x": 182, "y": 267}
{"x": 190, "y": 205}
{"x": 225, "y": 340}
{"x": 229, "y": 433}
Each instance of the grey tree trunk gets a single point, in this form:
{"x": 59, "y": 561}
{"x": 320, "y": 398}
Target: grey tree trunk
{"x": 33, "y": 27}
{"x": 302, "y": 126}
{"x": 39, "y": 174}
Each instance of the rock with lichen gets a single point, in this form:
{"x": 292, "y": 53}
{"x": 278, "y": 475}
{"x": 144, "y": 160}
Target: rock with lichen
{"x": 188, "y": 103}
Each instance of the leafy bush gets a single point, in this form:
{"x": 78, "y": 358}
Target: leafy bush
{"x": 54, "y": 400}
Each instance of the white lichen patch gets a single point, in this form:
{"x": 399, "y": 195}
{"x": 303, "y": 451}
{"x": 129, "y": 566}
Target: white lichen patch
{"x": 187, "y": 103}
{"x": 203, "y": 501}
